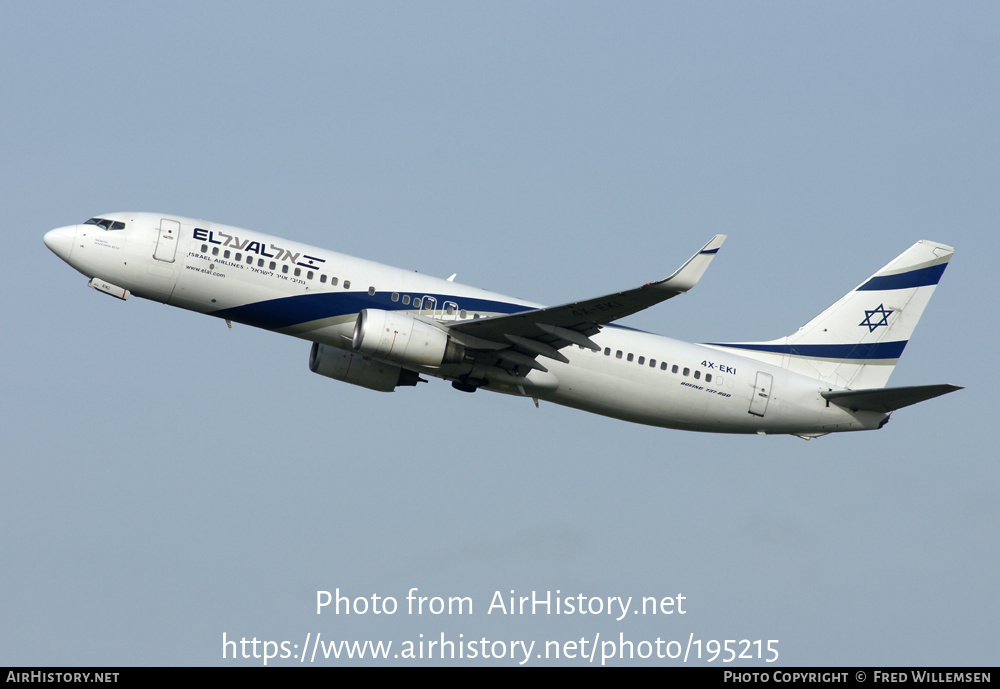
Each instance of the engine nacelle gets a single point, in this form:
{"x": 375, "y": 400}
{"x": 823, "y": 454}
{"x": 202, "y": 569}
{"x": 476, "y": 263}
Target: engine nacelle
{"x": 396, "y": 337}
{"x": 358, "y": 370}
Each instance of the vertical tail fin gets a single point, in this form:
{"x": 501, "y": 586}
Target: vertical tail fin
{"x": 857, "y": 342}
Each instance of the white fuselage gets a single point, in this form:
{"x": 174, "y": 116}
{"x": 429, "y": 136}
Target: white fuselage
{"x": 316, "y": 295}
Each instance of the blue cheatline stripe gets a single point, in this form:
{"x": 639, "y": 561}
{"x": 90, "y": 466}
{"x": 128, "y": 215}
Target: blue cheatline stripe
{"x": 710, "y": 251}
{"x": 858, "y": 352}
{"x": 922, "y": 277}
{"x": 285, "y": 312}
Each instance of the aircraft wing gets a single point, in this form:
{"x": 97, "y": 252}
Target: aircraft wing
{"x": 519, "y": 338}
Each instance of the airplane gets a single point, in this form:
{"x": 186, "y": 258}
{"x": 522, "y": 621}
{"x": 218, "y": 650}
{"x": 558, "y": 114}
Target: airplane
{"x": 381, "y": 328}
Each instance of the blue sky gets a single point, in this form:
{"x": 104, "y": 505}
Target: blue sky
{"x": 167, "y": 480}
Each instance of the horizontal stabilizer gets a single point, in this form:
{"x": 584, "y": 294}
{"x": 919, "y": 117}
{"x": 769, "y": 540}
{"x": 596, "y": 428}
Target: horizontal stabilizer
{"x": 886, "y": 400}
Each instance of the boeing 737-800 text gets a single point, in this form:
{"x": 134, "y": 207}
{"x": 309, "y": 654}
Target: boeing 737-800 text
{"x": 382, "y": 327}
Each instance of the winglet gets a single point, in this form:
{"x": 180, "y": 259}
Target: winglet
{"x": 687, "y": 276}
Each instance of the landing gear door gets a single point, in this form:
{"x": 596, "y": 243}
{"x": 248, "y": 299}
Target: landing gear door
{"x": 166, "y": 242}
{"x": 761, "y": 394}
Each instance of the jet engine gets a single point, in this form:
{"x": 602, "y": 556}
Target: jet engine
{"x": 358, "y": 370}
{"x": 396, "y": 337}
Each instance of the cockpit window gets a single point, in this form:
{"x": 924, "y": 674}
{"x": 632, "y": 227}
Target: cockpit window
{"x": 106, "y": 224}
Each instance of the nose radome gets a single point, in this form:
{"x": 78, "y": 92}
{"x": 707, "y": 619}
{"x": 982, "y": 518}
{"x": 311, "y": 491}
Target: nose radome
{"x": 60, "y": 241}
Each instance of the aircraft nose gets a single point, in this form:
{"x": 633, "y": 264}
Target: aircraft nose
{"x": 60, "y": 241}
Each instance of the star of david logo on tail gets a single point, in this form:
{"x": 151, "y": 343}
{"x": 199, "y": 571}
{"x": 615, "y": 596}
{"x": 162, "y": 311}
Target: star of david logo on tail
{"x": 872, "y": 324}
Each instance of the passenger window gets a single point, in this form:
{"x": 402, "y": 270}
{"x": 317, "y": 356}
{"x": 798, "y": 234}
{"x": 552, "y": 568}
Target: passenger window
{"x": 406, "y": 299}
{"x": 630, "y": 356}
{"x": 298, "y": 272}
{"x": 309, "y": 275}
{"x": 607, "y": 351}
{"x": 260, "y": 263}
{"x": 416, "y": 303}
{"x": 238, "y": 257}
{"x": 322, "y": 278}
{"x": 697, "y": 375}
{"x": 284, "y": 268}
{"x": 371, "y": 291}
{"x": 618, "y": 354}
{"x": 652, "y": 363}
{"x": 333, "y": 281}
{"x": 642, "y": 360}
{"x": 395, "y": 296}
{"x": 663, "y": 366}
{"x": 347, "y": 284}
{"x": 215, "y": 251}
{"x": 462, "y": 314}
{"x": 687, "y": 372}
{"x": 204, "y": 248}
{"x": 273, "y": 265}
{"x": 674, "y": 369}
{"x": 708, "y": 377}
{"x": 225, "y": 254}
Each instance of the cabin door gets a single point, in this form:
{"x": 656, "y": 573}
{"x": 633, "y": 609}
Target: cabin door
{"x": 761, "y": 394}
{"x": 166, "y": 243}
